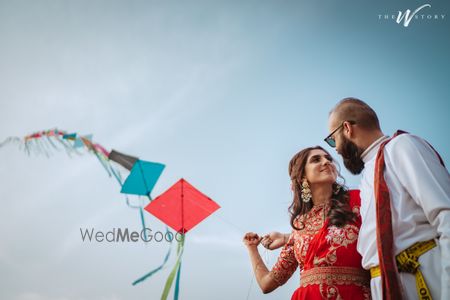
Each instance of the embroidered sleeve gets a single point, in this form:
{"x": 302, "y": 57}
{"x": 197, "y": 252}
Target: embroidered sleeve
{"x": 286, "y": 263}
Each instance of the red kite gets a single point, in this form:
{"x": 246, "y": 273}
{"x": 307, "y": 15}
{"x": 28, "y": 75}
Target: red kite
{"x": 182, "y": 206}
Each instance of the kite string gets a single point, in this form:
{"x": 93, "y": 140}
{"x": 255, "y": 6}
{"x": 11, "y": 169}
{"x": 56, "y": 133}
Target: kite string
{"x": 238, "y": 228}
{"x": 266, "y": 260}
{"x": 265, "y": 255}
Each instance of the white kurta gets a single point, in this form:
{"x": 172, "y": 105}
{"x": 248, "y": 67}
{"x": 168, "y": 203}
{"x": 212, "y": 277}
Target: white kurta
{"x": 419, "y": 188}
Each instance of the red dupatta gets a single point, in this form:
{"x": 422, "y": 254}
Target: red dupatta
{"x": 391, "y": 289}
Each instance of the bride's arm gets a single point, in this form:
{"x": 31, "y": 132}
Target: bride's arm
{"x": 275, "y": 240}
{"x": 265, "y": 281}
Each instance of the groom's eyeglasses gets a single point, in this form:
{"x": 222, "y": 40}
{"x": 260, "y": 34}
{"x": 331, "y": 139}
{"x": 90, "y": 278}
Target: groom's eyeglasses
{"x": 330, "y": 139}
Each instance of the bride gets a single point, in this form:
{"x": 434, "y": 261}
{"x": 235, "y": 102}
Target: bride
{"x": 325, "y": 224}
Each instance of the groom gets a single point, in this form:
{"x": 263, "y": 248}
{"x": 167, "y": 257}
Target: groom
{"x": 405, "y": 204}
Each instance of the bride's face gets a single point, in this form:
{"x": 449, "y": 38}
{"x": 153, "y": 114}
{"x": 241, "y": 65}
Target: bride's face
{"x": 319, "y": 168}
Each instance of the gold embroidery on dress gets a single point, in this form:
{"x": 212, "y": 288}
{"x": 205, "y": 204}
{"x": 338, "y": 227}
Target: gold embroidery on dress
{"x": 337, "y": 237}
{"x": 312, "y": 221}
{"x": 334, "y": 275}
{"x": 329, "y": 277}
{"x": 331, "y": 292}
{"x": 324, "y": 274}
{"x": 355, "y": 210}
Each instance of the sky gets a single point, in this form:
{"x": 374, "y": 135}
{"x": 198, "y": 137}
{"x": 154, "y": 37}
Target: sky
{"x": 223, "y": 93}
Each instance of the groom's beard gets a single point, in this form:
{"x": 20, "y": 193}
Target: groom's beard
{"x": 351, "y": 155}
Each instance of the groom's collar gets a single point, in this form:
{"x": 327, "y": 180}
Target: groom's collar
{"x": 372, "y": 150}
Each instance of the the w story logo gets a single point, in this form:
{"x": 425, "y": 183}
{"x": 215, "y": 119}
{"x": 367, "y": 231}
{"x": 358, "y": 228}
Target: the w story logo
{"x": 407, "y": 16}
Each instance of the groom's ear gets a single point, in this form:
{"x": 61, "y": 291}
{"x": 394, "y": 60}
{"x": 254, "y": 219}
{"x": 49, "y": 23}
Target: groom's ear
{"x": 348, "y": 130}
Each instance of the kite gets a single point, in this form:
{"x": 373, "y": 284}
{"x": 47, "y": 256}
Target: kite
{"x": 181, "y": 207}
{"x": 47, "y": 140}
{"x": 143, "y": 174}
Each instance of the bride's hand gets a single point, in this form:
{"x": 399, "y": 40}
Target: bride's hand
{"x": 251, "y": 239}
{"x": 274, "y": 240}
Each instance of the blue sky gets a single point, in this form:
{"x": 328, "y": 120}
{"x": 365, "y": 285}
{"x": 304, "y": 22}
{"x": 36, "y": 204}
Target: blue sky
{"x": 222, "y": 92}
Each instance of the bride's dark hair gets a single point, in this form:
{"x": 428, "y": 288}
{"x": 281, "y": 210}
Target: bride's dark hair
{"x": 340, "y": 212}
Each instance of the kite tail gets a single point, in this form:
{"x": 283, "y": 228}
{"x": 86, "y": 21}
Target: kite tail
{"x": 102, "y": 162}
{"x": 11, "y": 139}
{"x": 65, "y": 146}
{"x": 177, "y": 284}
{"x": 27, "y": 149}
{"x": 141, "y": 213}
{"x": 149, "y": 274}
{"x": 175, "y": 271}
{"x": 116, "y": 175}
{"x": 49, "y": 141}
{"x": 38, "y": 146}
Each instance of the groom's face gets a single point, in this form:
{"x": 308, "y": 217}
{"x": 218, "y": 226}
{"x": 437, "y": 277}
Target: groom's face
{"x": 351, "y": 155}
{"x": 350, "y": 152}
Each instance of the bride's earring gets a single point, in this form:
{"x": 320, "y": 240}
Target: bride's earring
{"x": 337, "y": 188}
{"x": 306, "y": 191}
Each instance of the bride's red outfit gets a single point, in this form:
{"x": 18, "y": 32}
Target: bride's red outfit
{"x": 330, "y": 266}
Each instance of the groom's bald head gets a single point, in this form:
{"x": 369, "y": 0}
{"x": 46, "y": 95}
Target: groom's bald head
{"x": 353, "y": 109}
